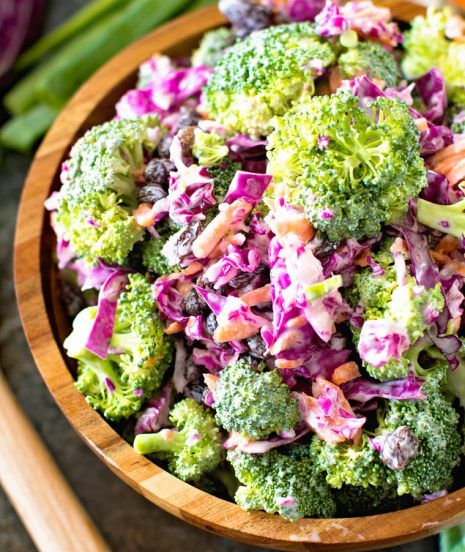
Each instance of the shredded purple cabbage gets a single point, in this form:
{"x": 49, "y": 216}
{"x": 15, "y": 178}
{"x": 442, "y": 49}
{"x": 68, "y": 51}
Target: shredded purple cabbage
{"x": 362, "y": 390}
{"x": 432, "y": 89}
{"x": 101, "y": 332}
{"x": 249, "y": 186}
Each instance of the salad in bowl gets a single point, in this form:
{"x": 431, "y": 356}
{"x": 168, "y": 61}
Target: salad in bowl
{"x": 263, "y": 256}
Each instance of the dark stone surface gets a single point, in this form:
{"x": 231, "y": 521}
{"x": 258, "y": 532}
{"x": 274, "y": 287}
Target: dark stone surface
{"x": 129, "y": 522}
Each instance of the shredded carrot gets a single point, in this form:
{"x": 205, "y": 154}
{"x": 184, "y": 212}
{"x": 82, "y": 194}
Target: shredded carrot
{"x": 457, "y": 267}
{"x": 440, "y": 258}
{"x": 457, "y": 173}
{"x": 284, "y": 364}
{"x": 173, "y": 328}
{"x": 296, "y": 224}
{"x": 444, "y": 153}
{"x": 448, "y": 244}
{"x": 297, "y": 322}
{"x": 345, "y": 372}
{"x": 211, "y": 381}
{"x": 286, "y": 340}
{"x": 257, "y": 296}
{"x": 235, "y": 331}
{"x": 219, "y": 226}
{"x": 446, "y": 165}
{"x": 192, "y": 268}
{"x": 422, "y": 124}
{"x": 143, "y": 215}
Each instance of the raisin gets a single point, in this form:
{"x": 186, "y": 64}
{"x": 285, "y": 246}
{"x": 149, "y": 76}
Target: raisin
{"x": 257, "y": 347}
{"x": 205, "y": 284}
{"x": 186, "y": 139}
{"x": 193, "y": 304}
{"x": 433, "y": 239}
{"x": 163, "y": 149}
{"x": 241, "y": 280}
{"x": 246, "y": 16}
{"x": 399, "y": 448}
{"x": 245, "y": 278}
{"x": 189, "y": 117}
{"x": 211, "y": 323}
{"x": 151, "y": 194}
{"x": 186, "y": 239}
{"x": 196, "y": 392}
{"x": 325, "y": 249}
{"x": 158, "y": 171}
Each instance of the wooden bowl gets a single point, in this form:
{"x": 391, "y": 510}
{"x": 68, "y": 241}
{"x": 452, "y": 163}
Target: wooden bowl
{"x": 45, "y": 326}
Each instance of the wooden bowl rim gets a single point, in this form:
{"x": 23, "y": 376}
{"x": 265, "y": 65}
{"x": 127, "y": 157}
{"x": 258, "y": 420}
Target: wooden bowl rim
{"x": 171, "y": 494}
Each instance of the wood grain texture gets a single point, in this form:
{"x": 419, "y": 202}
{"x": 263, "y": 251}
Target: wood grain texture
{"x": 54, "y": 518}
{"x": 43, "y": 323}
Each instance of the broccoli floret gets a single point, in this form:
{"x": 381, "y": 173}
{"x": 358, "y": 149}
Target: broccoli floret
{"x": 375, "y": 292}
{"x": 361, "y": 174}
{"x": 102, "y": 383}
{"x": 222, "y": 176}
{"x": 383, "y": 298}
{"x": 457, "y": 119}
{"x": 371, "y": 59}
{"x": 140, "y": 353}
{"x": 425, "y": 43}
{"x": 427, "y": 46}
{"x": 209, "y": 148}
{"x": 282, "y": 482}
{"x": 213, "y": 46}
{"x": 262, "y": 75}
{"x": 409, "y": 304}
{"x": 193, "y": 448}
{"x": 99, "y": 191}
{"x": 453, "y": 68}
{"x": 152, "y": 254}
{"x": 366, "y": 501}
{"x": 153, "y": 258}
{"x": 254, "y": 404}
{"x": 358, "y": 465}
{"x": 449, "y": 219}
{"x": 434, "y": 422}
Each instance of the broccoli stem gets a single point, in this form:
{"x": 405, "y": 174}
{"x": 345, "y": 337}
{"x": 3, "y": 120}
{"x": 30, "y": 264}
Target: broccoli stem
{"x": 320, "y": 289}
{"x": 449, "y": 219}
{"x": 166, "y": 440}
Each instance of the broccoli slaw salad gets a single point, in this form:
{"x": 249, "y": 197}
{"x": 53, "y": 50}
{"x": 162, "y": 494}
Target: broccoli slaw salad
{"x": 263, "y": 255}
